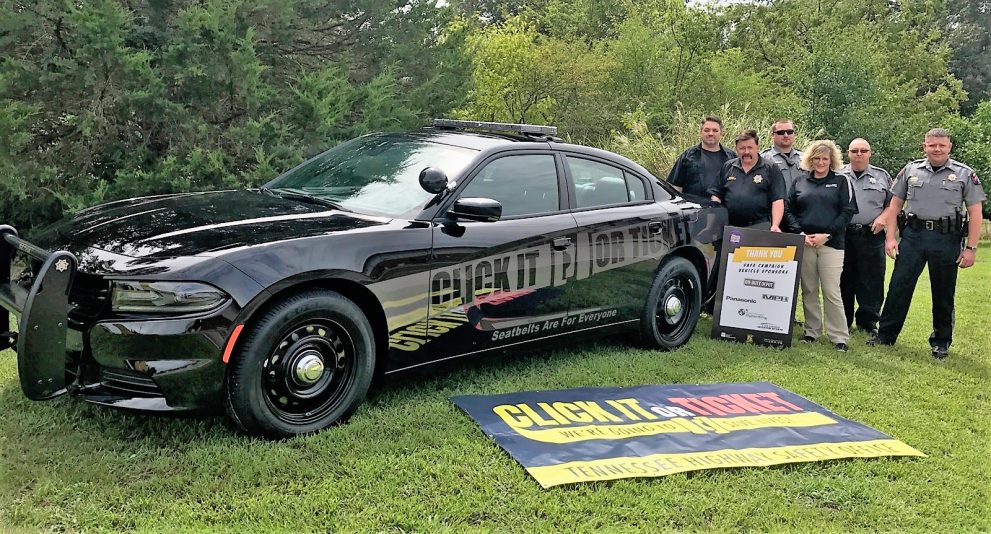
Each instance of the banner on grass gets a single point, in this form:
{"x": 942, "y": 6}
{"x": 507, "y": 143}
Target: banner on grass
{"x": 758, "y": 285}
{"x": 589, "y": 434}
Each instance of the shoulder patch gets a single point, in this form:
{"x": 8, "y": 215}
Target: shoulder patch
{"x": 974, "y": 179}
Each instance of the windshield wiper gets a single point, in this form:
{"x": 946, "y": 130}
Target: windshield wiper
{"x": 303, "y": 196}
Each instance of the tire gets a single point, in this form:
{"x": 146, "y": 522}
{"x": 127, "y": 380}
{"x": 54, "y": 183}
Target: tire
{"x": 305, "y": 364}
{"x": 673, "y": 305}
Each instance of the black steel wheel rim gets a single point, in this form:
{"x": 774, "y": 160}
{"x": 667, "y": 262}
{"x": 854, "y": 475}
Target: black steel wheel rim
{"x": 675, "y": 305}
{"x": 309, "y": 371}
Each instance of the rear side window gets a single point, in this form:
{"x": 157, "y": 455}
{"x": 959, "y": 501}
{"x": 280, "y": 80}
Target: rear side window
{"x": 599, "y": 184}
{"x": 523, "y": 184}
{"x": 636, "y": 188}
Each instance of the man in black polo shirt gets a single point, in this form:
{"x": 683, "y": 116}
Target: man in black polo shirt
{"x": 697, "y": 169}
{"x": 751, "y": 187}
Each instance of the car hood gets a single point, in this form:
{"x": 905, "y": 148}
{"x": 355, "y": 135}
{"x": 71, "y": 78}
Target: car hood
{"x": 196, "y": 223}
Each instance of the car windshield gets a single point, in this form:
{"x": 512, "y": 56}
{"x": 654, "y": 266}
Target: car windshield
{"x": 377, "y": 174}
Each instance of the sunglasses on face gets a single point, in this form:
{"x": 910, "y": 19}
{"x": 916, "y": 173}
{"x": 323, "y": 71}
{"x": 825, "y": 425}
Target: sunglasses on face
{"x": 860, "y": 151}
{"x": 784, "y": 132}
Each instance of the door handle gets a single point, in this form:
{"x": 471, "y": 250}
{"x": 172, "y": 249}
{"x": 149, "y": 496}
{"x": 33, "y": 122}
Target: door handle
{"x": 655, "y": 227}
{"x": 561, "y": 243}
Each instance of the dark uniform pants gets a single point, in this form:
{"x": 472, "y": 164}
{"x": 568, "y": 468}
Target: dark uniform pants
{"x": 917, "y": 249}
{"x": 862, "y": 281}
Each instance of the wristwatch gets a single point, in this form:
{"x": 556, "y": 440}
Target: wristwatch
{"x": 968, "y": 247}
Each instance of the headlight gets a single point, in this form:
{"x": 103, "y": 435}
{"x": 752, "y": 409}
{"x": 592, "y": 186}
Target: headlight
{"x": 164, "y": 297}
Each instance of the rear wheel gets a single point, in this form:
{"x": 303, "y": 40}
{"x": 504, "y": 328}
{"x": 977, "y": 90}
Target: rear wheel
{"x": 673, "y": 305}
{"x": 305, "y": 364}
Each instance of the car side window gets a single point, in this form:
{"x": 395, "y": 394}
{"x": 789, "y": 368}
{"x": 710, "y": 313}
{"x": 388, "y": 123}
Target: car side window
{"x": 636, "y": 188}
{"x": 598, "y": 184}
{"x": 523, "y": 184}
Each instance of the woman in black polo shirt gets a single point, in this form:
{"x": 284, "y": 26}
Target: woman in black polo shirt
{"x": 819, "y": 207}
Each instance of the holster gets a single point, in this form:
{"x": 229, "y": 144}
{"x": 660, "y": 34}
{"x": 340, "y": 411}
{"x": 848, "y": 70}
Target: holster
{"x": 901, "y": 220}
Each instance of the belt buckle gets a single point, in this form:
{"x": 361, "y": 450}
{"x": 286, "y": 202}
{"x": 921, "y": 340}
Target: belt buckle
{"x": 930, "y": 225}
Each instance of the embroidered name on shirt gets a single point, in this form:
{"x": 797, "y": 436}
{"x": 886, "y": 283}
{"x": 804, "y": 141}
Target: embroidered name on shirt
{"x": 832, "y": 185}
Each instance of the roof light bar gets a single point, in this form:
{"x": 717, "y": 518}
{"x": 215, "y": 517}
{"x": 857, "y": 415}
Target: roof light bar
{"x": 497, "y": 126}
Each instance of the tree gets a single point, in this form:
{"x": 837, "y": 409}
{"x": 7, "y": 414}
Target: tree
{"x": 105, "y": 99}
{"x": 971, "y": 139}
{"x": 862, "y": 69}
{"x": 968, "y": 32}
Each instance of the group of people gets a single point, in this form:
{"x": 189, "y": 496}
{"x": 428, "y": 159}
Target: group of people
{"x": 851, "y": 215}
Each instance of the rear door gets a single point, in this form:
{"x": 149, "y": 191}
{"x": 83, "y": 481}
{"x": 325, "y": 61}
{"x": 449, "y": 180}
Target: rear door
{"x": 622, "y": 234}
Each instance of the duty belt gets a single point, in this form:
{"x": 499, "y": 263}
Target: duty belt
{"x": 943, "y": 226}
{"x": 860, "y": 229}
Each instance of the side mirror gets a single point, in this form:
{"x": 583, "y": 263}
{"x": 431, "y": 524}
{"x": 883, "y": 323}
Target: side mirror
{"x": 433, "y": 180}
{"x": 477, "y": 209}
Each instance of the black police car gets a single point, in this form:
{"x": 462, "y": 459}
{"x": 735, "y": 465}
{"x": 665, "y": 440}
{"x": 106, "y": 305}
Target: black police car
{"x": 385, "y": 253}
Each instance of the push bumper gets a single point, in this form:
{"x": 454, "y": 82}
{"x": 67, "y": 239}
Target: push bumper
{"x": 159, "y": 365}
{"x": 43, "y": 310}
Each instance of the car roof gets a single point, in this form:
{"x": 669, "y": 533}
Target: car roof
{"x": 465, "y": 139}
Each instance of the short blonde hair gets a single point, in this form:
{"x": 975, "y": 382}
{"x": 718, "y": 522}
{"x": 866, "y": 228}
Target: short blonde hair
{"x": 820, "y": 148}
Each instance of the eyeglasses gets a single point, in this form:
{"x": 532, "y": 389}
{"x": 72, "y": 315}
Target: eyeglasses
{"x": 860, "y": 151}
{"x": 784, "y": 132}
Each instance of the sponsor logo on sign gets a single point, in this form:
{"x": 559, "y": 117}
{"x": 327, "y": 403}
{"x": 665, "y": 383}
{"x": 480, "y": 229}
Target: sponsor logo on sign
{"x": 778, "y": 298}
{"x": 745, "y": 312}
{"x": 735, "y": 237}
{"x": 764, "y": 284}
{"x": 738, "y": 299}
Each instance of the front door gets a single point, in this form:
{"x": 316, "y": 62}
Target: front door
{"x": 499, "y": 283}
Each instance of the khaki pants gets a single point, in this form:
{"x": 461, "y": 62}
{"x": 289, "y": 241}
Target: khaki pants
{"x": 822, "y": 267}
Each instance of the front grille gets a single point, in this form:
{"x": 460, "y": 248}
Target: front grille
{"x": 129, "y": 383}
{"x": 88, "y": 296}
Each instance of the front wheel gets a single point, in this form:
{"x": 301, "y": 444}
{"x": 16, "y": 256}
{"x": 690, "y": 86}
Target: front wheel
{"x": 673, "y": 305}
{"x": 305, "y": 364}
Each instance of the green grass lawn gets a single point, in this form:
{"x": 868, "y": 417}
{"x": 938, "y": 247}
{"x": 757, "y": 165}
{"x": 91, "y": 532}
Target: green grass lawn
{"x": 410, "y": 461}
